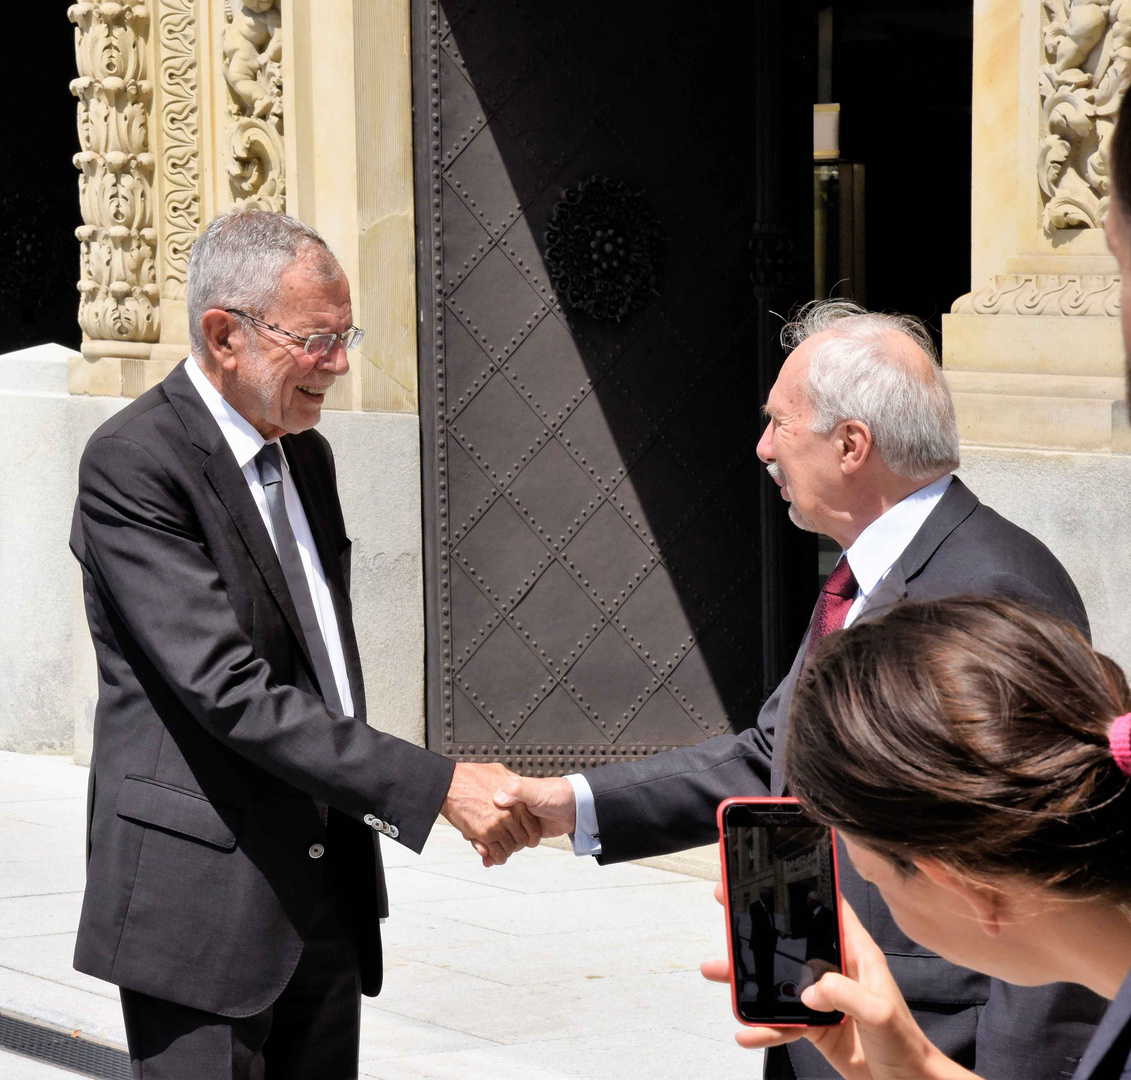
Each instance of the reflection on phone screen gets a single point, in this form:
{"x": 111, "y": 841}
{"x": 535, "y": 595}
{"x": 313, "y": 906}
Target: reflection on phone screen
{"x": 785, "y": 931}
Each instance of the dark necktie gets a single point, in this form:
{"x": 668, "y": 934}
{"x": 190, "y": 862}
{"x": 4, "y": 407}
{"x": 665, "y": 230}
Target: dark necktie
{"x": 837, "y": 595}
{"x": 268, "y": 463}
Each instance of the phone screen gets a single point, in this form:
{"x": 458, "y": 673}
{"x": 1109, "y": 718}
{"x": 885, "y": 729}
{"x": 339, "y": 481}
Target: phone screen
{"x": 782, "y": 902}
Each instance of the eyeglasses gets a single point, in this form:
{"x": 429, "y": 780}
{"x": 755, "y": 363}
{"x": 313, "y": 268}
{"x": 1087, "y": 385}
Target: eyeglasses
{"x": 314, "y": 346}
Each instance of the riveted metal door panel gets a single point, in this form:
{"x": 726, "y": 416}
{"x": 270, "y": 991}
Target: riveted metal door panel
{"x": 596, "y": 260}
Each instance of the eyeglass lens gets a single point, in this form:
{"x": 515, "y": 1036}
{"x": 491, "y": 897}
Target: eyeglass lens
{"x": 318, "y": 344}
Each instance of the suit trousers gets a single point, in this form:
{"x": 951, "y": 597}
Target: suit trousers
{"x": 311, "y": 1030}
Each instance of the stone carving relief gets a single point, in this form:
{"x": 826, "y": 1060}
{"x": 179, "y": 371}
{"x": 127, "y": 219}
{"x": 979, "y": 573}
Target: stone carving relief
{"x": 253, "y": 45}
{"x": 1043, "y": 294}
{"x": 118, "y": 282}
{"x": 180, "y": 128}
{"x": 1087, "y": 45}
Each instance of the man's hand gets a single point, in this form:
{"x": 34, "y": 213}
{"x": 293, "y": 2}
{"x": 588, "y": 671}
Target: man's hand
{"x": 551, "y": 801}
{"x": 495, "y": 832}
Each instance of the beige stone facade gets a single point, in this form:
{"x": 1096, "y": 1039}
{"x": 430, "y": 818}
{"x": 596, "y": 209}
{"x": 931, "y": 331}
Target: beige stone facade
{"x": 188, "y": 107}
{"x": 1033, "y": 352}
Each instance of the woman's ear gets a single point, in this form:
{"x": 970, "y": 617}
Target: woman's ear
{"x": 983, "y": 900}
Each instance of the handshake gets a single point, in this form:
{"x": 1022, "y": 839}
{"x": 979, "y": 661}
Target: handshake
{"x": 500, "y": 811}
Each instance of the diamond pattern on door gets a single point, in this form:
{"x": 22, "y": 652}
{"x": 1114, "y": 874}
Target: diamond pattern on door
{"x": 608, "y": 558}
{"x": 502, "y": 556}
{"x": 546, "y": 372}
{"x": 555, "y": 616}
{"x": 592, "y": 579}
{"x": 610, "y": 682}
{"x": 503, "y": 681}
{"x": 496, "y": 305}
{"x": 555, "y": 496}
{"x": 499, "y": 431}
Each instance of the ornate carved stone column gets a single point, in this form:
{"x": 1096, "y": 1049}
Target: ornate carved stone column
{"x": 253, "y": 71}
{"x": 1033, "y": 353}
{"x": 118, "y": 309}
{"x": 188, "y": 107}
{"x": 179, "y": 153}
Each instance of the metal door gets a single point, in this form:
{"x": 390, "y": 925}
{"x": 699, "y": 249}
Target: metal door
{"x": 604, "y": 224}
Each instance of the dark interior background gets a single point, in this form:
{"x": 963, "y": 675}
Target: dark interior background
{"x": 39, "y": 190}
{"x": 539, "y": 631}
{"x": 902, "y": 73}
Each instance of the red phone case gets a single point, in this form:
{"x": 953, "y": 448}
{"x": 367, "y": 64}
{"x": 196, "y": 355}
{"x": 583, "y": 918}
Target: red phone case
{"x": 747, "y": 800}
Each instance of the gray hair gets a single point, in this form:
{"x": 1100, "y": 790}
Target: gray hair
{"x": 238, "y": 260}
{"x": 857, "y": 375}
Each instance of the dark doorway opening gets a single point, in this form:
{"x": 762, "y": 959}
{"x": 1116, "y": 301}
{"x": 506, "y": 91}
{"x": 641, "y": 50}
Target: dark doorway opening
{"x": 903, "y": 75}
{"x": 39, "y": 201}
{"x": 614, "y": 211}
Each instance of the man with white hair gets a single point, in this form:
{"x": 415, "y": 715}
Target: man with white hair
{"x": 237, "y": 795}
{"x": 862, "y": 441}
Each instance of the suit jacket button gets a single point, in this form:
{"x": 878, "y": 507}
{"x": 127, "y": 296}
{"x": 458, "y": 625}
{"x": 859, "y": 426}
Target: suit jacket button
{"x": 369, "y": 820}
{"x": 394, "y": 832}
{"x": 316, "y": 851}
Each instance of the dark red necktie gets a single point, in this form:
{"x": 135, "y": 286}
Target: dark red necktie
{"x": 836, "y": 598}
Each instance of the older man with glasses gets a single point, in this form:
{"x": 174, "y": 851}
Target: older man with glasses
{"x": 237, "y": 795}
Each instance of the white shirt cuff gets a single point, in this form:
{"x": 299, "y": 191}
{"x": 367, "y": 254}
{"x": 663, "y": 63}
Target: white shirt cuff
{"x": 586, "y": 837}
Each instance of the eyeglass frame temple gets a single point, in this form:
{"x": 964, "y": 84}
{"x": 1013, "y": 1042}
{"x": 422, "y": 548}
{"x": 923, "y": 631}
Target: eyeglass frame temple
{"x": 305, "y": 341}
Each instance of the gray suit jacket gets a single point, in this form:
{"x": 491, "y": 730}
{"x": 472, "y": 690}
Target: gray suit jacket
{"x": 214, "y": 754}
{"x": 667, "y": 803}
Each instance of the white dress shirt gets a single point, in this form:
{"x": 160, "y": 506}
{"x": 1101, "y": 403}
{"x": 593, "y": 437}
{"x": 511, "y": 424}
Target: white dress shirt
{"x": 245, "y": 442}
{"x": 874, "y": 552}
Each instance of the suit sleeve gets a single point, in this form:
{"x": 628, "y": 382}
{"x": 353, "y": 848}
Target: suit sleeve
{"x": 667, "y": 802}
{"x": 138, "y": 538}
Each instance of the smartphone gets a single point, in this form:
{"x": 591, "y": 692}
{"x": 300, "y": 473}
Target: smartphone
{"x": 783, "y": 910}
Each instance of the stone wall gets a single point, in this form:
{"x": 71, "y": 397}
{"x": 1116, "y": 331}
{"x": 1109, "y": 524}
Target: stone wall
{"x": 48, "y": 679}
{"x": 47, "y": 685}
{"x": 1077, "y": 504}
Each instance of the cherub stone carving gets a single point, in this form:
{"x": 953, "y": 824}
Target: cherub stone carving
{"x": 1086, "y": 45}
{"x": 253, "y": 51}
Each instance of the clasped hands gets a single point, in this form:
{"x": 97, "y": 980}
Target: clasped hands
{"x": 500, "y": 811}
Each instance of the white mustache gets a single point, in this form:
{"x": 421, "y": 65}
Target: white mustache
{"x": 774, "y": 469}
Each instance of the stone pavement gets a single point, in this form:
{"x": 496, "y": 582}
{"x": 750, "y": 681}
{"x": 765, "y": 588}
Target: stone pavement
{"x": 548, "y": 968}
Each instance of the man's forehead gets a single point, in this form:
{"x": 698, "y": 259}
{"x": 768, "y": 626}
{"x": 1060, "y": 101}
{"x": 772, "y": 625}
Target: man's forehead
{"x": 787, "y": 394}
{"x": 307, "y": 295}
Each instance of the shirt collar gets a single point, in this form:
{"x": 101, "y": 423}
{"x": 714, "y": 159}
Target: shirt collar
{"x": 243, "y": 440}
{"x": 878, "y": 547}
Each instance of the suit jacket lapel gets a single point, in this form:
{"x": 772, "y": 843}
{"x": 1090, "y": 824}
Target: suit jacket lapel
{"x": 956, "y": 505}
{"x": 784, "y": 693}
{"x": 231, "y": 488}
{"x": 313, "y": 483}
{"x": 1110, "y": 1039}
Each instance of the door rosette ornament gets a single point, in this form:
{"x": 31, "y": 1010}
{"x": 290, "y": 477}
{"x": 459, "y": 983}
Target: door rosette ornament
{"x": 603, "y": 247}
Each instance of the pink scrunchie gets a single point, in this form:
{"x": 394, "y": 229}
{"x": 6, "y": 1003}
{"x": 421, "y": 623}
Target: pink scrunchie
{"x": 1119, "y": 739}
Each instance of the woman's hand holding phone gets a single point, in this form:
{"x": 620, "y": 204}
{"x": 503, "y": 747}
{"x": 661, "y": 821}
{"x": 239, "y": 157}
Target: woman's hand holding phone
{"x": 879, "y": 1039}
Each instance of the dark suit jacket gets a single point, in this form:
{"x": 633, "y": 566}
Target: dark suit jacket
{"x": 1108, "y": 1056}
{"x": 667, "y": 802}
{"x": 763, "y": 934}
{"x": 821, "y": 941}
{"x": 213, "y": 750}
